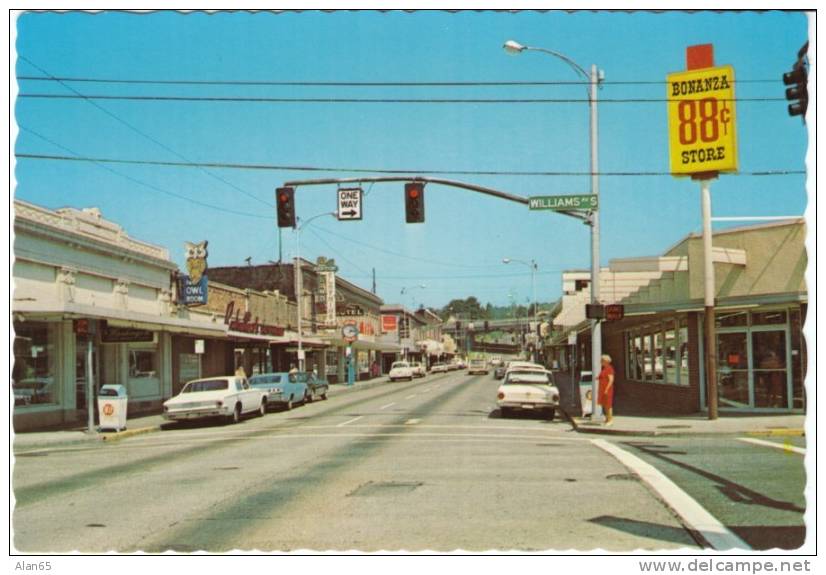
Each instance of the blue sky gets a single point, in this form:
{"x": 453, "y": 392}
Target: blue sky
{"x": 458, "y": 251}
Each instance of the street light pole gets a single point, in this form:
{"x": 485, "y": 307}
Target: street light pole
{"x": 594, "y": 78}
{"x": 299, "y": 284}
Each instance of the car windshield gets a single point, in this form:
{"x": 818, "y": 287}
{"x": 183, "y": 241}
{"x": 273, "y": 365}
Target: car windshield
{"x": 528, "y": 377}
{"x": 399, "y": 364}
{"x": 262, "y": 380}
{"x": 299, "y": 377}
{"x": 206, "y": 385}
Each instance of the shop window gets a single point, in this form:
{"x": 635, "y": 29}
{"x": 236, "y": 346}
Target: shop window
{"x": 770, "y": 375}
{"x": 33, "y": 375}
{"x": 768, "y": 318}
{"x": 683, "y": 355}
{"x": 332, "y": 362}
{"x": 798, "y": 360}
{"x": 732, "y": 319}
{"x": 659, "y": 357}
{"x": 670, "y": 357}
{"x": 143, "y": 363}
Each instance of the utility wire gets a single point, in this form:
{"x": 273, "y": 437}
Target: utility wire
{"x": 273, "y": 100}
{"x": 311, "y": 83}
{"x": 336, "y": 252}
{"x": 78, "y": 95}
{"x": 151, "y": 186}
{"x": 274, "y": 167}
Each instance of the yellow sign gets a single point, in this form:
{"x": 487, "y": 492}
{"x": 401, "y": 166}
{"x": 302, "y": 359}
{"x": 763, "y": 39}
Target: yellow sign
{"x": 701, "y": 121}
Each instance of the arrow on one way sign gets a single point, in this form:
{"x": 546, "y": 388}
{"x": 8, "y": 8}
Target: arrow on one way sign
{"x": 349, "y": 203}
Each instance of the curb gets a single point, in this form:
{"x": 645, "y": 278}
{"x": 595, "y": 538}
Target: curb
{"x": 777, "y": 432}
{"x": 128, "y": 433}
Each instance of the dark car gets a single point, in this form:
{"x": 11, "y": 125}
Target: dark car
{"x": 499, "y": 372}
{"x": 317, "y": 386}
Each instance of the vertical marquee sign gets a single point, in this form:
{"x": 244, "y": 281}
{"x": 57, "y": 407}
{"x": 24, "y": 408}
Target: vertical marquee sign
{"x": 701, "y": 121}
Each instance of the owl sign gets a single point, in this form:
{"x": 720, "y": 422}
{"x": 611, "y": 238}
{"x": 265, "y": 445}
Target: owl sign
{"x": 193, "y": 287}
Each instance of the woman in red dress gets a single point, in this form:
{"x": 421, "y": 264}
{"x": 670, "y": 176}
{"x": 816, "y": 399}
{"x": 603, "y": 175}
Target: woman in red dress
{"x": 606, "y": 389}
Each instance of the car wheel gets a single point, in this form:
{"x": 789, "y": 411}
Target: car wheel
{"x": 289, "y": 405}
{"x": 262, "y": 410}
{"x": 309, "y": 397}
{"x": 504, "y": 412}
{"x": 236, "y": 413}
{"x": 551, "y": 414}
{"x": 324, "y": 396}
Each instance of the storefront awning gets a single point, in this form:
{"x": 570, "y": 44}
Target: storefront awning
{"x": 121, "y": 318}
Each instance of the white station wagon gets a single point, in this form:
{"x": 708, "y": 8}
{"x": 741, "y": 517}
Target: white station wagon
{"x": 227, "y": 397}
{"x": 528, "y": 390}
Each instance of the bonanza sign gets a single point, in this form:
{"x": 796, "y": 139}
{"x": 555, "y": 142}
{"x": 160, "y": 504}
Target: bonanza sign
{"x": 701, "y": 121}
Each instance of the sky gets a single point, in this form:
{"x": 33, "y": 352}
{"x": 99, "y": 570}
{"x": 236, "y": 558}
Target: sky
{"x": 458, "y": 251}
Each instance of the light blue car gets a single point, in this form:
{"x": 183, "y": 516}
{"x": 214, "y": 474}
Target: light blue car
{"x": 282, "y": 390}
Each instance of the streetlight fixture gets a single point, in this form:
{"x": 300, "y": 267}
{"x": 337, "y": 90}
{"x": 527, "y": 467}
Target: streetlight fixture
{"x": 299, "y": 281}
{"x": 532, "y": 264}
{"x": 594, "y": 78}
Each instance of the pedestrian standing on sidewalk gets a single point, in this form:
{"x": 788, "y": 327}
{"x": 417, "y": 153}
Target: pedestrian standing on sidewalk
{"x": 606, "y": 389}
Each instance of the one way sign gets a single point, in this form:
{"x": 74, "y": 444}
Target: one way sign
{"x": 349, "y": 203}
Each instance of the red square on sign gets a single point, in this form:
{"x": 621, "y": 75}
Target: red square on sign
{"x": 389, "y": 323}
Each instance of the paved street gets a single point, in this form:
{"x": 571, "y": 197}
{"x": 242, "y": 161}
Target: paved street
{"x": 421, "y": 465}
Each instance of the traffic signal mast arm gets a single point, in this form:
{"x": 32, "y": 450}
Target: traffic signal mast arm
{"x": 452, "y": 183}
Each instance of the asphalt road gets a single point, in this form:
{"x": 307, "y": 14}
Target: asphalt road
{"x": 425, "y": 465}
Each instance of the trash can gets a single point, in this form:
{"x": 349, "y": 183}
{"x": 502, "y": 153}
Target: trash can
{"x": 112, "y": 401}
{"x": 586, "y": 382}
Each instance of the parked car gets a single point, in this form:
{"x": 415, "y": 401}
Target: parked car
{"x": 401, "y": 370}
{"x": 438, "y": 368}
{"x": 317, "y": 385}
{"x": 280, "y": 390}
{"x": 216, "y": 397}
{"x": 418, "y": 369}
{"x": 461, "y": 364}
{"x": 528, "y": 390}
{"x": 452, "y": 366}
{"x": 477, "y": 365}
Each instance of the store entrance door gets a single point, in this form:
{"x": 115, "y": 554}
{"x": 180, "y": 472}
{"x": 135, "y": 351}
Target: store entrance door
{"x": 752, "y": 368}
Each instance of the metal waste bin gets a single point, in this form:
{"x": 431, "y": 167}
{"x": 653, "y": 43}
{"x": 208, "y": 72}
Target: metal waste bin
{"x": 586, "y": 391}
{"x": 112, "y": 400}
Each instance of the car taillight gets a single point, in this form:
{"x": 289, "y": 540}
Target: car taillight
{"x": 501, "y": 395}
{"x": 555, "y": 397}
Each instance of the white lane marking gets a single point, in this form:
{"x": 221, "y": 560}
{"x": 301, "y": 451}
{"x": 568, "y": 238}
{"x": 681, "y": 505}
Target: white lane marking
{"x": 412, "y": 421}
{"x": 783, "y": 446}
{"x": 349, "y": 421}
{"x": 425, "y": 390}
{"x": 694, "y": 514}
{"x": 388, "y": 405}
{"x": 410, "y": 396}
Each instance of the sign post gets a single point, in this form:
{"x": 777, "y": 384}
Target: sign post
{"x": 702, "y": 142}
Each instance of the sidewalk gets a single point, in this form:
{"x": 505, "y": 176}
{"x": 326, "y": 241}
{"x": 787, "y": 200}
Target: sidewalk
{"x": 143, "y": 423}
{"x": 644, "y": 424}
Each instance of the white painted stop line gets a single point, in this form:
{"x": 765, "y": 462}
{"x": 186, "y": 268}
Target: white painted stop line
{"x": 694, "y": 514}
{"x": 784, "y": 446}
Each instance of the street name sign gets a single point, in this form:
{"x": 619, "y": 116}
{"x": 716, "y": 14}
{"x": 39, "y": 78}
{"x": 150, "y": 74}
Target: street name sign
{"x": 349, "y": 203}
{"x": 701, "y": 121}
{"x": 564, "y": 203}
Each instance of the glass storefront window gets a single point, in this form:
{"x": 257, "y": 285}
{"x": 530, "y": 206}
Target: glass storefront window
{"x": 143, "y": 363}
{"x": 683, "y": 357}
{"x": 647, "y": 359}
{"x": 732, "y": 370}
{"x": 798, "y": 359}
{"x": 33, "y": 375}
{"x": 732, "y": 319}
{"x": 659, "y": 358}
{"x": 332, "y": 362}
{"x": 768, "y": 318}
{"x": 671, "y": 358}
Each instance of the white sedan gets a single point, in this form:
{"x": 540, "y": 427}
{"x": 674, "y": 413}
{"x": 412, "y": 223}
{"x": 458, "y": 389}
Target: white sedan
{"x": 225, "y": 397}
{"x": 438, "y": 368}
{"x": 528, "y": 390}
{"x": 401, "y": 370}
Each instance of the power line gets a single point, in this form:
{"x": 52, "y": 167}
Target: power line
{"x": 148, "y": 185}
{"x": 78, "y": 95}
{"x": 336, "y": 252}
{"x": 312, "y": 83}
{"x": 273, "y": 100}
{"x": 296, "y": 168}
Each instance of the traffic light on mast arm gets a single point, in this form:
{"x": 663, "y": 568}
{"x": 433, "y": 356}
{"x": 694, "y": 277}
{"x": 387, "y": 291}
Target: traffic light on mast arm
{"x": 414, "y": 202}
{"x": 284, "y": 199}
{"x": 797, "y": 79}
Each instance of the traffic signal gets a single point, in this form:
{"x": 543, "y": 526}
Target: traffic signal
{"x": 798, "y": 92}
{"x": 414, "y": 202}
{"x": 284, "y": 199}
